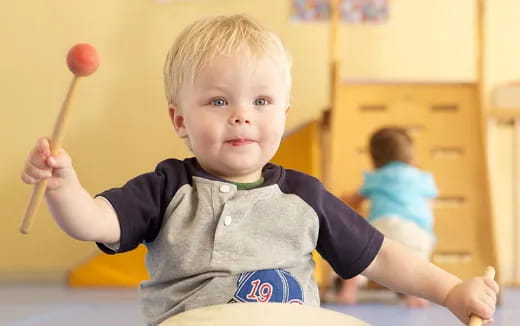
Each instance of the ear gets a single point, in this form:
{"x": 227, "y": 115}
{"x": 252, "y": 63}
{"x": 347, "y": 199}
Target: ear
{"x": 287, "y": 110}
{"x": 177, "y": 121}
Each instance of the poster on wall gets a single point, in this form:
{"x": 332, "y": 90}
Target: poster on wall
{"x": 352, "y": 11}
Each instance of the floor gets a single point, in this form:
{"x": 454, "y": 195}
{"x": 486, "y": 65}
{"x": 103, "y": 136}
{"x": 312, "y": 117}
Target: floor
{"x": 393, "y": 312}
{"x": 60, "y": 306}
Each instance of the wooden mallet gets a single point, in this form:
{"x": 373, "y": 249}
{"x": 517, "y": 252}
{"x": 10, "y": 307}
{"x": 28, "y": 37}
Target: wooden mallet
{"x": 489, "y": 274}
{"x": 82, "y": 60}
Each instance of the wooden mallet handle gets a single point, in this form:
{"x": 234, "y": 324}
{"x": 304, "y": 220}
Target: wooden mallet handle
{"x": 489, "y": 274}
{"x": 55, "y": 144}
{"x": 82, "y": 60}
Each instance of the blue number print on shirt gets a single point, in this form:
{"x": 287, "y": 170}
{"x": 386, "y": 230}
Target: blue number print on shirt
{"x": 269, "y": 285}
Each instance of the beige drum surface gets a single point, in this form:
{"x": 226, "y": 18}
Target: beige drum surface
{"x": 262, "y": 314}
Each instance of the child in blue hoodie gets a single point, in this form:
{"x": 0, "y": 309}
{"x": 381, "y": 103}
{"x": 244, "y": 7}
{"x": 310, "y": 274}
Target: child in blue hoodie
{"x": 400, "y": 201}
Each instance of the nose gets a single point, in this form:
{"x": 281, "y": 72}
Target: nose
{"x": 240, "y": 116}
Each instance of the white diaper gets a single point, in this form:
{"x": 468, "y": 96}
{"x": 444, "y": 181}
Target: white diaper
{"x": 407, "y": 233}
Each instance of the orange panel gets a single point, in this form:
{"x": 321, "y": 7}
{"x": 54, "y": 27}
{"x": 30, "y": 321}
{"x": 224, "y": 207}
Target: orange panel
{"x": 124, "y": 270}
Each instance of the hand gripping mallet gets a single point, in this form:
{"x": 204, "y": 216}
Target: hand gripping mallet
{"x": 475, "y": 320}
{"x": 82, "y": 60}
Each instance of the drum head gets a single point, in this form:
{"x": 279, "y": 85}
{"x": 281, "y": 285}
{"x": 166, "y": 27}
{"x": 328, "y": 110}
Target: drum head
{"x": 261, "y": 314}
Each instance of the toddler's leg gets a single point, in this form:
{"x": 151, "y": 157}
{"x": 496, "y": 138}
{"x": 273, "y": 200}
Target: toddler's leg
{"x": 412, "y": 236}
{"x": 348, "y": 292}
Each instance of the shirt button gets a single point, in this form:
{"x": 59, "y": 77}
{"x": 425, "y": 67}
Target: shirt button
{"x": 227, "y": 220}
{"x": 225, "y": 188}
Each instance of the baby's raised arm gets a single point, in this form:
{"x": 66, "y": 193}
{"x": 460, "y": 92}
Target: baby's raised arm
{"x": 400, "y": 269}
{"x": 79, "y": 214}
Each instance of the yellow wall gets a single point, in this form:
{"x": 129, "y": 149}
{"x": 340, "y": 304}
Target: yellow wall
{"x": 503, "y": 53}
{"x": 119, "y": 126}
{"x": 423, "y": 40}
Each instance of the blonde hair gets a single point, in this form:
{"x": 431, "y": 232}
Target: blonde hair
{"x": 207, "y": 38}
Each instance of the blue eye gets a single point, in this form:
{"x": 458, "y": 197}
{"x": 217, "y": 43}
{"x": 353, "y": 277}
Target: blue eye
{"x": 218, "y": 102}
{"x": 260, "y": 101}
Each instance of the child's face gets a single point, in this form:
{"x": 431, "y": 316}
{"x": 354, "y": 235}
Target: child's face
{"x": 233, "y": 115}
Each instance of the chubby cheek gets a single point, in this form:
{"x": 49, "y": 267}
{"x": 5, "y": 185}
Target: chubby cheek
{"x": 279, "y": 126}
{"x": 204, "y": 139}
{"x": 272, "y": 134}
{"x": 200, "y": 134}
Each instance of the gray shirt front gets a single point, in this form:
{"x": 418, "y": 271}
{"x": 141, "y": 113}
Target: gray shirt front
{"x": 210, "y": 243}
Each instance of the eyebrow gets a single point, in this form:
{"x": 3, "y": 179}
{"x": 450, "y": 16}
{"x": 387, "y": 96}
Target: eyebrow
{"x": 220, "y": 88}
{"x": 223, "y": 88}
{"x": 265, "y": 86}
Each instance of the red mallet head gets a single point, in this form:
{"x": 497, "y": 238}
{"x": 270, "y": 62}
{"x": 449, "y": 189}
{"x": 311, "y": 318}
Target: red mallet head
{"x": 82, "y": 59}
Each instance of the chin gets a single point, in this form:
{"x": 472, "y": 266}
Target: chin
{"x": 234, "y": 170}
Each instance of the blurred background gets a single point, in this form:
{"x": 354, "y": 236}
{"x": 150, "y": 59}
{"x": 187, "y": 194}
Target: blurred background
{"x": 446, "y": 70}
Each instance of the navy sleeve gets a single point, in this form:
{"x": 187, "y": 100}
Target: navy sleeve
{"x": 141, "y": 203}
{"x": 346, "y": 240}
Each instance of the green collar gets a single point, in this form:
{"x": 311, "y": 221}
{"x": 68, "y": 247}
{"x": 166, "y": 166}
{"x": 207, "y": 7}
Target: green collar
{"x": 249, "y": 185}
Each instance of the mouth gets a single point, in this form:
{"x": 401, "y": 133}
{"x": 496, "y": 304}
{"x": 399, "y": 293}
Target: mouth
{"x": 239, "y": 141}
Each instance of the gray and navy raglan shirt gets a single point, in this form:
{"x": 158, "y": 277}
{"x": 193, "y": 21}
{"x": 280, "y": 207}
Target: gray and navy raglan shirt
{"x": 212, "y": 243}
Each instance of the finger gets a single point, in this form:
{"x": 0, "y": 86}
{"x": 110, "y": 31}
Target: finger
{"x": 487, "y": 322}
{"x": 44, "y": 147}
{"x": 36, "y": 172}
{"x": 491, "y": 294}
{"x": 28, "y": 179}
{"x": 493, "y": 285}
{"x": 484, "y": 310}
{"x": 60, "y": 160}
{"x": 39, "y": 154}
{"x": 31, "y": 179}
{"x": 490, "y": 302}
